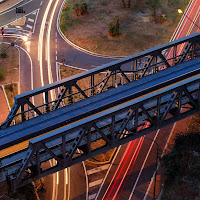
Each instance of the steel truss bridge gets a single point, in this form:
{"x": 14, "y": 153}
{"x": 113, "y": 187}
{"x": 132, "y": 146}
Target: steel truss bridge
{"x": 123, "y": 100}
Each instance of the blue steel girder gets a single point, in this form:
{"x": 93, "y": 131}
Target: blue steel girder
{"x": 116, "y": 126}
{"x": 129, "y": 69}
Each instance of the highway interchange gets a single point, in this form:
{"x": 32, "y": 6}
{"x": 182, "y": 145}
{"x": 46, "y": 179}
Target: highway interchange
{"x": 130, "y": 172}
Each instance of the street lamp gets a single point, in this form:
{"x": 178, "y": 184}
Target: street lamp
{"x": 154, "y": 189}
{"x": 181, "y": 12}
{"x": 11, "y": 45}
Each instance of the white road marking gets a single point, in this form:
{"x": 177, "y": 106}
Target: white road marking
{"x": 28, "y": 26}
{"x": 34, "y": 13}
{"x": 92, "y": 196}
{"x": 19, "y": 27}
{"x": 56, "y": 52}
{"x": 66, "y": 175}
{"x": 56, "y": 57}
{"x": 30, "y": 20}
{"x": 147, "y": 155}
{"x": 37, "y": 11}
{"x": 28, "y": 46}
{"x": 41, "y": 3}
{"x": 94, "y": 183}
{"x": 97, "y": 169}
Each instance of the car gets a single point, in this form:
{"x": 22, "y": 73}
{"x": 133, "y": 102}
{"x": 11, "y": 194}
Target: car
{"x": 15, "y": 33}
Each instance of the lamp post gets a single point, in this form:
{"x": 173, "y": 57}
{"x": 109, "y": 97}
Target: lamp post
{"x": 154, "y": 189}
{"x": 181, "y": 12}
{"x": 11, "y": 45}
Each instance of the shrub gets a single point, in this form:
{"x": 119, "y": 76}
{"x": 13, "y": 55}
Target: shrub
{"x": 104, "y": 3}
{"x": 3, "y": 55}
{"x": 76, "y": 9}
{"x": 2, "y": 74}
{"x": 114, "y": 28}
{"x": 84, "y": 8}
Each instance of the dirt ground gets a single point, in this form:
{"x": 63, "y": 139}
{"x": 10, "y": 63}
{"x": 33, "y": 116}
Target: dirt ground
{"x": 9, "y": 66}
{"x": 138, "y": 30}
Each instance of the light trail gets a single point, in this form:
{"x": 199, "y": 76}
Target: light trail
{"x": 40, "y": 41}
{"x": 131, "y": 164}
{"x": 40, "y": 57}
{"x": 130, "y": 197}
{"x": 127, "y": 148}
{"x": 53, "y": 95}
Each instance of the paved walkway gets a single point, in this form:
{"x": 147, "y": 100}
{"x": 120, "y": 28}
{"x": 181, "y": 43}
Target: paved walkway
{"x": 7, "y": 4}
{"x": 4, "y": 111}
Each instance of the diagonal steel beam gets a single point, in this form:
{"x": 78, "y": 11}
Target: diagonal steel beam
{"x": 185, "y": 52}
{"x": 81, "y": 91}
{"x": 168, "y": 106}
{"x": 11, "y": 115}
{"x": 124, "y": 123}
{"x": 124, "y": 75}
{"x": 33, "y": 107}
{"x": 147, "y": 114}
{"x": 59, "y": 98}
{"x": 24, "y": 165}
{"x": 51, "y": 153}
{"x": 104, "y": 82}
{"x": 75, "y": 144}
{"x": 190, "y": 97}
{"x": 102, "y": 134}
{"x": 147, "y": 64}
{"x": 164, "y": 60}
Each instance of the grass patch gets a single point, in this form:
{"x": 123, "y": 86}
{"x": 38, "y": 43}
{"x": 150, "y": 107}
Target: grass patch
{"x": 138, "y": 30}
{"x": 2, "y": 73}
{"x": 65, "y": 20}
{"x": 11, "y": 91}
{"x": 104, "y": 3}
{"x": 194, "y": 126}
{"x": 9, "y": 66}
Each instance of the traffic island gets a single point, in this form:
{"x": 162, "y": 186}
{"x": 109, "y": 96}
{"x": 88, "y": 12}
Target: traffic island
{"x": 19, "y": 22}
{"x": 112, "y": 28}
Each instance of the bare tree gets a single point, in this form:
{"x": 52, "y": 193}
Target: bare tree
{"x": 129, "y": 4}
{"x": 124, "y": 3}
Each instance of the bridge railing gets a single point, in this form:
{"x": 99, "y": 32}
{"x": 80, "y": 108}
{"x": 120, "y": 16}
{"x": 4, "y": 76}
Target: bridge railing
{"x": 102, "y": 78}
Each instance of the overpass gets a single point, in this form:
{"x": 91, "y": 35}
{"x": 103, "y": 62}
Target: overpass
{"x": 131, "y": 100}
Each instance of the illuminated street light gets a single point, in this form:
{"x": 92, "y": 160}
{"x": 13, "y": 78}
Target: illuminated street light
{"x": 181, "y": 12}
{"x": 25, "y": 38}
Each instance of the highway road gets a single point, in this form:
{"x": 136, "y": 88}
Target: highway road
{"x": 129, "y": 174}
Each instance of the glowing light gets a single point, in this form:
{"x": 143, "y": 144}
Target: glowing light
{"x": 25, "y": 38}
{"x": 180, "y": 11}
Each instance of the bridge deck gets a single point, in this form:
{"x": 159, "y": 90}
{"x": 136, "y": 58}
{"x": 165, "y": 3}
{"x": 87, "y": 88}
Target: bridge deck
{"x": 23, "y": 132}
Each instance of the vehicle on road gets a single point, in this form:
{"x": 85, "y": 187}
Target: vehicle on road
{"x": 16, "y": 33}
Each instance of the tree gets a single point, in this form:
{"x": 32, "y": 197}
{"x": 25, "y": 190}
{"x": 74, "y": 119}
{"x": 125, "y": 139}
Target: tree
{"x": 84, "y": 8}
{"x": 123, "y": 3}
{"x": 76, "y": 9}
{"x": 129, "y": 4}
{"x": 114, "y": 28}
{"x": 154, "y": 4}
